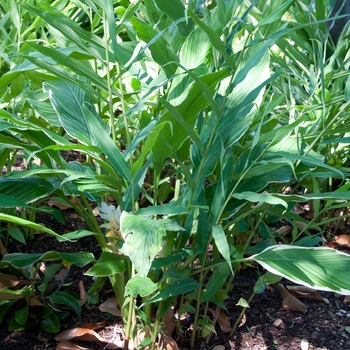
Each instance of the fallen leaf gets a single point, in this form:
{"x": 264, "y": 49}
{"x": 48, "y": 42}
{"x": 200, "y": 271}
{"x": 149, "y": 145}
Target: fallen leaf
{"x": 95, "y": 326}
{"x": 166, "y": 342}
{"x": 306, "y": 293}
{"x": 81, "y": 333}
{"x": 346, "y": 299}
{"x": 83, "y": 294}
{"x": 222, "y": 320}
{"x": 278, "y": 322}
{"x": 284, "y": 230}
{"x": 219, "y": 347}
{"x": 289, "y": 301}
{"x": 169, "y": 322}
{"x": 8, "y": 281}
{"x": 59, "y": 205}
{"x": 111, "y": 306}
{"x": 67, "y": 345}
{"x": 243, "y": 321}
{"x": 298, "y": 209}
{"x": 342, "y": 241}
{"x": 3, "y": 250}
{"x": 143, "y": 333}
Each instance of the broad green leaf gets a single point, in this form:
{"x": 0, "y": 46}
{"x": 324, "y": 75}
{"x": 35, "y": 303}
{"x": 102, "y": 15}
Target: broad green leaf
{"x": 161, "y": 51}
{"x": 222, "y": 244}
{"x": 68, "y": 101}
{"x": 166, "y": 209}
{"x": 63, "y": 298}
{"x": 108, "y": 264}
{"x": 176, "y": 288}
{"x": 50, "y": 271}
{"x": 17, "y": 235}
{"x": 143, "y": 240}
{"x": 175, "y": 10}
{"x": 27, "y": 190}
{"x": 22, "y": 260}
{"x": 260, "y": 197}
{"x": 75, "y": 235}
{"x": 20, "y": 221}
{"x": 215, "y": 282}
{"x": 140, "y": 286}
{"x": 50, "y": 323}
{"x": 80, "y": 68}
{"x": 107, "y": 145}
{"x": 21, "y": 314}
{"x": 320, "y": 268}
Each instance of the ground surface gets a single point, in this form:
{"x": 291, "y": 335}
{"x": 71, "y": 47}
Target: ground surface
{"x": 267, "y": 324}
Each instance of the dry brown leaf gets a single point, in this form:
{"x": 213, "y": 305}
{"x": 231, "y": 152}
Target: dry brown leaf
{"x": 95, "y": 326}
{"x": 342, "y": 241}
{"x": 298, "y": 209}
{"x": 169, "y": 322}
{"x": 219, "y": 347}
{"x": 111, "y": 306}
{"x": 305, "y": 293}
{"x": 278, "y": 323}
{"x": 59, "y": 205}
{"x": 243, "y": 321}
{"x": 81, "y": 333}
{"x": 284, "y": 230}
{"x": 67, "y": 345}
{"x": 346, "y": 299}
{"x": 222, "y": 320}
{"x": 3, "y": 250}
{"x": 289, "y": 301}
{"x": 301, "y": 225}
{"x": 165, "y": 342}
{"x": 8, "y": 281}
{"x": 143, "y": 333}
{"x": 83, "y": 294}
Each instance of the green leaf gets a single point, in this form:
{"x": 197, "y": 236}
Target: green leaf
{"x": 27, "y": 190}
{"x": 222, "y": 244}
{"x": 17, "y": 235}
{"x": 50, "y": 323}
{"x": 143, "y": 240}
{"x": 108, "y": 265}
{"x": 175, "y": 10}
{"x": 260, "y": 197}
{"x": 140, "y": 286}
{"x": 63, "y": 298}
{"x": 107, "y": 145}
{"x": 216, "y": 281}
{"x": 21, "y": 314}
{"x": 176, "y": 288}
{"x": 161, "y": 51}
{"x": 68, "y": 101}
{"x": 320, "y": 268}
{"x": 242, "y": 302}
{"x": 166, "y": 209}
{"x": 22, "y": 260}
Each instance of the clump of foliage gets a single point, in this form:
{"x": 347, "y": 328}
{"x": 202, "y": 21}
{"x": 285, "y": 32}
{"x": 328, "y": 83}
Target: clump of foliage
{"x": 193, "y": 117}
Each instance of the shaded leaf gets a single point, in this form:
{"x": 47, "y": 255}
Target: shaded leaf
{"x": 289, "y": 301}
{"x": 111, "y": 306}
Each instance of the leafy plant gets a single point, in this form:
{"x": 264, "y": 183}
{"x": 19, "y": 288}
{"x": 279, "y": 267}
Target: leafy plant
{"x": 27, "y": 300}
{"x": 193, "y": 119}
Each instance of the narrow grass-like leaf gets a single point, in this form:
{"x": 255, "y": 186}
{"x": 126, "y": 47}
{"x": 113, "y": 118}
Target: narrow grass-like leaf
{"x": 222, "y": 244}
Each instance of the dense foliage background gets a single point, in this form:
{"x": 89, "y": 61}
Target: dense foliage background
{"x": 192, "y": 118}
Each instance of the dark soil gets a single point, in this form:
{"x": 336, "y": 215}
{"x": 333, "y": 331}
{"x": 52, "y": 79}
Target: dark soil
{"x": 267, "y": 324}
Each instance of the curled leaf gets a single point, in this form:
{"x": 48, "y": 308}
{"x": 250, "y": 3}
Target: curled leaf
{"x": 111, "y": 306}
{"x": 289, "y": 301}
